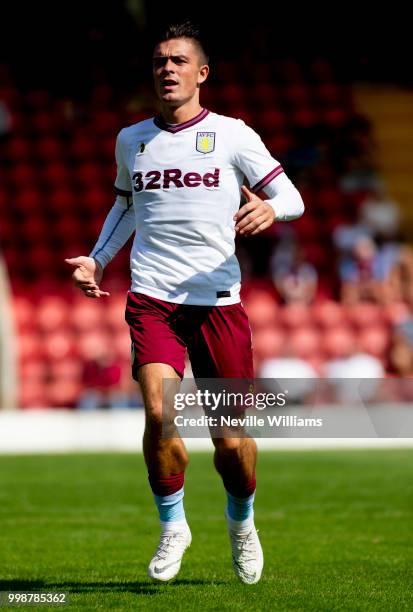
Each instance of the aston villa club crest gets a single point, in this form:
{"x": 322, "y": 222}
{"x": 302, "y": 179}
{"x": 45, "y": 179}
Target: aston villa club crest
{"x": 205, "y": 142}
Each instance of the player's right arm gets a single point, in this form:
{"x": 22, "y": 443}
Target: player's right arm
{"x": 117, "y": 229}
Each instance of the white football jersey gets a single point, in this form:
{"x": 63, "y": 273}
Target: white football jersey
{"x": 178, "y": 187}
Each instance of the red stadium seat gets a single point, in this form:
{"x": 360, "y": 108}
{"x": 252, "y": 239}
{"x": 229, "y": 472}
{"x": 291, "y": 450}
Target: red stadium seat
{"x": 271, "y": 119}
{"x": 296, "y": 315}
{"x": 121, "y": 344}
{"x": 242, "y": 112}
{"x": 32, "y": 394}
{"x": 263, "y": 95}
{"x": 106, "y": 122}
{"x": 267, "y": 343}
{"x": 304, "y": 117}
{"x": 4, "y": 199}
{"x": 338, "y": 342}
{"x": 89, "y": 174}
{"x": 296, "y": 94}
{"x": 61, "y": 198}
{"x": 59, "y": 345}
{"x": 28, "y": 199}
{"x": 97, "y": 200}
{"x": 82, "y": 148}
{"x": 374, "y": 341}
{"x": 278, "y": 144}
{"x": 397, "y": 312}
{"x": 33, "y": 371}
{"x": 304, "y": 342}
{"x": 335, "y": 117}
{"x": 42, "y": 258}
{"x": 92, "y": 344}
{"x": 22, "y": 175}
{"x": 18, "y": 149}
{"x": 48, "y": 149}
{"x": 107, "y": 150}
{"x": 316, "y": 360}
{"x": 62, "y": 396}
{"x": 262, "y": 310}
{"x": 328, "y": 92}
{"x": 24, "y": 313}
{"x": 68, "y": 228}
{"x": 365, "y": 314}
{"x": 101, "y": 97}
{"x": 317, "y": 254}
{"x": 52, "y": 314}
{"x": 307, "y": 228}
{"x": 329, "y": 314}
{"x": 66, "y": 369}
{"x": 30, "y": 346}
{"x": 86, "y": 314}
{"x": 232, "y": 94}
{"x": 33, "y": 228}
{"x": 328, "y": 200}
{"x": 43, "y": 123}
{"x": 114, "y": 312}
{"x": 56, "y": 174}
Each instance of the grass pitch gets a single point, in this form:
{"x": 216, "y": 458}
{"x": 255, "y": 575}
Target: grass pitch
{"x": 336, "y": 529}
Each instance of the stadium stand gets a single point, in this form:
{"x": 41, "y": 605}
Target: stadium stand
{"x": 313, "y": 289}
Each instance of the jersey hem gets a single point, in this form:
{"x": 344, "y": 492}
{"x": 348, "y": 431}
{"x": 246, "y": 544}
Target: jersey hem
{"x": 190, "y": 301}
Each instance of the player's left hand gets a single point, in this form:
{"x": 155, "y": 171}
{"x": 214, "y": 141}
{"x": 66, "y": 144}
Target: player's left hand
{"x": 255, "y": 216}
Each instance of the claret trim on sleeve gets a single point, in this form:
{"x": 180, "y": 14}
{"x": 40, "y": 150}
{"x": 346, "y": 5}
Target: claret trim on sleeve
{"x": 268, "y": 178}
{"x": 122, "y": 192}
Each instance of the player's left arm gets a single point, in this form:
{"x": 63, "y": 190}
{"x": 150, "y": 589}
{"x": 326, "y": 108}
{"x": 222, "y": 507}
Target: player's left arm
{"x": 264, "y": 173}
{"x": 256, "y": 215}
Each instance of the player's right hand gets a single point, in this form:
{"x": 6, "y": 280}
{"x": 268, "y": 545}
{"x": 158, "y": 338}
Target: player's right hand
{"x": 87, "y": 275}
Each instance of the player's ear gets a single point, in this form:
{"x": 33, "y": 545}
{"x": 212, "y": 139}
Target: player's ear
{"x": 203, "y": 73}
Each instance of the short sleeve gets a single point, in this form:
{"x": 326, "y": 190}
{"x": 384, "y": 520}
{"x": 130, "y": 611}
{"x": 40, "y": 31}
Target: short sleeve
{"x": 123, "y": 180}
{"x": 252, "y": 157}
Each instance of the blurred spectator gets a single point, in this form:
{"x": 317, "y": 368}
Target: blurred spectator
{"x": 359, "y": 272}
{"x": 294, "y": 278}
{"x": 365, "y": 271}
{"x": 400, "y": 281}
{"x": 380, "y": 215}
{"x": 401, "y": 349}
{"x": 346, "y": 235}
{"x": 399, "y": 386}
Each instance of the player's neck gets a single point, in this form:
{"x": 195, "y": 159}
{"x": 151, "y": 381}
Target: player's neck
{"x": 181, "y": 114}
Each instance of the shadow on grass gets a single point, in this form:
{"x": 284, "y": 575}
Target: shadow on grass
{"x": 143, "y": 587}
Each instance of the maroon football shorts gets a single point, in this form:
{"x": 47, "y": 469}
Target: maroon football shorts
{"x": 217, "y": 338}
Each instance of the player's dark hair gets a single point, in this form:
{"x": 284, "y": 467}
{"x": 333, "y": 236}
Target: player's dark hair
{"x": 185, "y": 29}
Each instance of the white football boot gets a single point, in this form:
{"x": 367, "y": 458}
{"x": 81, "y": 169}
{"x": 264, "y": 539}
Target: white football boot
{"x": 166, "y": 562}
{"x": 247, "y": 555}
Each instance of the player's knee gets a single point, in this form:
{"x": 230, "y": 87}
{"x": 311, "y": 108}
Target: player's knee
{"x": 154, "y": 414}
{"x": 226, "y": 445}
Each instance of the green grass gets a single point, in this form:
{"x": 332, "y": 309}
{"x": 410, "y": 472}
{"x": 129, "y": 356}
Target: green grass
{"x": 336, "y": 528}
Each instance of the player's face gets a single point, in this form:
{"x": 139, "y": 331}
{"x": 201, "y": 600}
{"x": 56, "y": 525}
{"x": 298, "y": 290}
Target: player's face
{"x": 177, "y": 71}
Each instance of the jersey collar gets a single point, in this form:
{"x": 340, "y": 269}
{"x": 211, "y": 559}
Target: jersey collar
{"x": 160, "y": 122}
